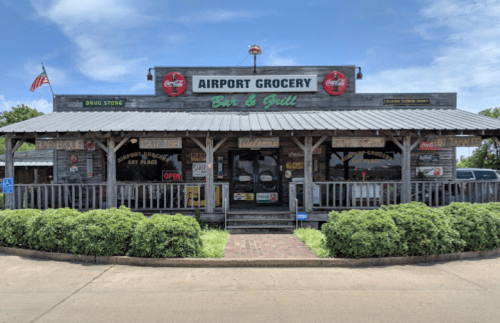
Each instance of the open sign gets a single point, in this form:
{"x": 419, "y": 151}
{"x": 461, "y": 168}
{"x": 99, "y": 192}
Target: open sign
{"x": 171, "y": 176}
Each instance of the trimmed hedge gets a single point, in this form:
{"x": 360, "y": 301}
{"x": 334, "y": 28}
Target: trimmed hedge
{"x": 413, "y": 230}
{"x": 111, "y": 232}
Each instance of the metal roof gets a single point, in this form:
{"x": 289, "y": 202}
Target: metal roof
{"x": 394, "y": 119}
{"x": 31, "y": 158}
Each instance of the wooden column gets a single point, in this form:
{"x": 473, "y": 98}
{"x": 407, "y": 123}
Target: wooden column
{"x": 9, "y": 170}
{"x": 210, "y": 188}
{"x": 35, "y": 175}
{"x": 308, "y": 174}
{"x": 406, "y": 170}
{"x": 55, "y": 177}
{"x": 111, "y": 169}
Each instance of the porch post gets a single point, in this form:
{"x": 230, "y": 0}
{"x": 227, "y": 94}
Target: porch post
{"x": 210, "y": 188}
{"x": 308, "y": 174}
{"x": 111, "y": 189}
{"x": 9, "y": 170}
{"x": 406, "y": 170}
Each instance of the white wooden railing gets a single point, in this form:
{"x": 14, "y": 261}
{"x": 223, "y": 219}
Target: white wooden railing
{"x": 443, "y": 193}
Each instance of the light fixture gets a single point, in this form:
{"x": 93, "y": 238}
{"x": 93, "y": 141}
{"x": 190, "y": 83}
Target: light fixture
{"x": 150, "y": 76}
{"x": 359, "y": 76}
{"x": 254, "y": 50}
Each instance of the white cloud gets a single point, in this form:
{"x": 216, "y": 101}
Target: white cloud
{"x": 468, "y": 61}
{"x": 274, "y": 59}
{"x": 41, "y": 105}
{"x": 216, "y": 16}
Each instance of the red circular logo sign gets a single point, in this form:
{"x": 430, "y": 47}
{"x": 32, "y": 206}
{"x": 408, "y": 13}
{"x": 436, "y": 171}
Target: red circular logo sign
{"x": 174, "y": 84}
{"x": 74, "y": 158}
{"x": 335, "y": 83}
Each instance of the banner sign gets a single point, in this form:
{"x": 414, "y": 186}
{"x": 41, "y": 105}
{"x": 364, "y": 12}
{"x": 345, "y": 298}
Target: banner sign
{"x": 94, "y": 103}
{"x": 453, "y": 141}
{"x": 391, "y": 101}
{"x": 160, "y": 143}
{"x": 358, "y": 142}
{"x": 254, "y": 83}
{"x": 246, "y": 142}
{"x": 59, "y": 144}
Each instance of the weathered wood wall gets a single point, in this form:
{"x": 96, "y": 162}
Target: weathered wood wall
{"x": 64, "y": 163}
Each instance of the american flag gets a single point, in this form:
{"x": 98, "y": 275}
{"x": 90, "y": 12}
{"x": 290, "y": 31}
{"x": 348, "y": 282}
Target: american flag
{"x": 40, "y": 79}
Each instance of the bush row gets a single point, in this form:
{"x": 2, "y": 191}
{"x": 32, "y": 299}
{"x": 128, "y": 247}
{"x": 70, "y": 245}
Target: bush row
{"x": 413, "y": 229}
{"x": 113, "y": 232}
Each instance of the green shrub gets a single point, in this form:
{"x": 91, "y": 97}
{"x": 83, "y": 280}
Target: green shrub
{"x": 478, "y": 224}
{"x": 423, "y": 230}
{"x": 104, "y": 232}
{"x": 51, "y": 230}
{"x": 166, "y": 236}
{"x": 358, "y": 233}
{"x": 13, "y": 227}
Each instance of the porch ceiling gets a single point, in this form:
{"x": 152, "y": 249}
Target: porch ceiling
{"x": 394, "y": 119}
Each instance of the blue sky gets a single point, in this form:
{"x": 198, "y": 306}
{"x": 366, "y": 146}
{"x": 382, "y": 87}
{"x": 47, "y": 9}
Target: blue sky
{"x": 107, "y": 46}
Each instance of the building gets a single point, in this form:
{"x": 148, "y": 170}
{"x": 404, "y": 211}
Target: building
{"x": 32, "y": 166}
{"x": 229, "y": 141}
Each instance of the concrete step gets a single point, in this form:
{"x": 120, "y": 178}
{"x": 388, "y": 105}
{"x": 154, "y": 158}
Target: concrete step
{"x": 284, "y": 216}
{"x": 258, "y": 212}
{"x": 261, "y": 229}
{"x": 258, "y": 219}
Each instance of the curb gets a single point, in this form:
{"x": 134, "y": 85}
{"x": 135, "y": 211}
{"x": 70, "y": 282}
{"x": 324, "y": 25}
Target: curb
{"x": 221, "y": 262}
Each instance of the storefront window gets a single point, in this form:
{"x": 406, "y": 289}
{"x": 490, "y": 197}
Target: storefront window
{"x": 366, "y": 164}
{"x": 160, "y": 165}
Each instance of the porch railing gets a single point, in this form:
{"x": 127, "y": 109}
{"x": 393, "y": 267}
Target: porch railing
{"x": 45, "y": 196}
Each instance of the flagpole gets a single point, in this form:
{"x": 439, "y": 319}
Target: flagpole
{"x": 43, "y": 67}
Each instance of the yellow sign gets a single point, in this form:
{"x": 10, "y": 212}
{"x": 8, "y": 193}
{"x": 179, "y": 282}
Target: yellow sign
{"x": 358, "y": 142}
{"x": 198, "y": 157}
{"x": 295, "y": 165}
{"x": 59, "y": 144}
{"x": 192, "y": 196}
{"x": 243, "y": 196}
{"x": 160, "y": 143}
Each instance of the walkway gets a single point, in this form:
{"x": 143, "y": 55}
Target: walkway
{"x": 266, "y": 246}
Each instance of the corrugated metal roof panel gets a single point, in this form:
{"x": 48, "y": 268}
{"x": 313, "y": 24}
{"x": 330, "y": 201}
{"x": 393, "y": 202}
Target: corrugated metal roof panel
{"x": 422, "y": 119}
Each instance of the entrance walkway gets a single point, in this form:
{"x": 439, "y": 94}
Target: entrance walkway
{"x": 279, "y": 246}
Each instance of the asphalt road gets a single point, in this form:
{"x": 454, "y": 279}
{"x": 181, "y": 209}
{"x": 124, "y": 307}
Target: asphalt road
{"x": 34, "y": 290}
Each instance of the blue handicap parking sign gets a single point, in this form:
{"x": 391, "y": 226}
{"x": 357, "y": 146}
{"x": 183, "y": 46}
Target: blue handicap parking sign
{"x": 8, "y": 185}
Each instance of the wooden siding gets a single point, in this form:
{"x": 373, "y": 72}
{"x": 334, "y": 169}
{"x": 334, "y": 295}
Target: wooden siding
{"x": 64, "y": 163}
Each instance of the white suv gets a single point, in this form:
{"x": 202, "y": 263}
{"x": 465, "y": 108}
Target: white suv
{"x": 477, "y": 174}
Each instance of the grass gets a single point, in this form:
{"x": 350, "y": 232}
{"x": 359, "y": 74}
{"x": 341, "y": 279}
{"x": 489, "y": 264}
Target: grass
{"x": 314, "y": 239}
{"x": 214, "y": 241}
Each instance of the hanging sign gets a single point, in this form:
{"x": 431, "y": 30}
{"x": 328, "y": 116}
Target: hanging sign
{"x": 174, "y": 84}
{"x": 59, "y": 144}
{"x": 198, "y": 157}
{"x": 391, "y": 101}
{"x": 454, "y": 141}
{"x": 160, "y": 143}
{"x": 199, "y": 170}
{"x": 357, "y": 142}
{"x": 98, "y": 103}
{"x": 254, "y": 83}
{"x": 316, "y": 151}
{"x": 335, "y": 83}
{"x": 246, "y": 142}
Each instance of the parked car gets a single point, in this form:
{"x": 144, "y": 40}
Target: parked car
{"x": 474, "y": 192}
{"x": 477, "y": 174}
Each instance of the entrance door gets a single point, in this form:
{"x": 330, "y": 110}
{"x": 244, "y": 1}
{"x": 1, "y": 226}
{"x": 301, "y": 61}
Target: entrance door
{"x": 255, "y": 177}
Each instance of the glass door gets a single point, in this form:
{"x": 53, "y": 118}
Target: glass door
{"x": 267, "y": 177}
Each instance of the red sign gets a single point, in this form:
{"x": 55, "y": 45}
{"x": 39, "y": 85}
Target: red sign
{"x": 74, "y": 158}
{"x": 174, "y": 84}
{"x": 428, "y": 145}
{"x": 335, "y": 83}
{"x": 172, "y": 176}
{"x": 89, "y": 145}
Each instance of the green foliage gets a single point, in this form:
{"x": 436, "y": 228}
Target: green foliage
{"x": 358, "y": 233}
{"x": 213, "y": 243}
{"x": 314, "y": 239}
{"x": 166, "y": 236}
{"x": 478, "y": 224}
{"x": 13, "y": 227}
{"x": 104, "y": 232}
{"x": 17, "y": 114}
{"x": 197, "y": 214}
{"x": 51, "y": 230}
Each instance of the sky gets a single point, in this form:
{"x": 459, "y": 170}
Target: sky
{"x": 107, "y": 46}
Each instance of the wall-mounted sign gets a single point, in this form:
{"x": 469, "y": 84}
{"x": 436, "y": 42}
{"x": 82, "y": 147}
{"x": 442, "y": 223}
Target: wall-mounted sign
{"x": 430, "y": 171}
{"x": 220, "y": 169}
{"x": 243, "y": 196}
{"x": 174, "y": 84}
{"x": 288, "y": 174}
{"x": 160, "y": 143}
{"x": 295, "y": 165}
{"x": 270, "y": 100}
{"x": 335, "y": 83}
{"x": 254, "y": 83}
{"x": 391, "y": 101}
{"x": 357, "y": 142}
{"x": 89, "y": 145}
{"x": 94, "y": 103}
{"x": 267, "y": 197}
{"x": 171, "y": 176}
{"x": 429, "y": 158}
{"x": 90, "y": 166}
{"x": 73, "y": 158}
{"x": 246, "y": 142}
{"x": 244, "y": 178}
{"x": 73, "y": 169}
{"x": 316, "y": 151}
{"x": 199, "y": 170}
{"x": 427, "y": 145}
{"x": 266, "y": 178}
{"x": 142, "y": 161}
{"x": 198, "y": 157}
{"x": 455, "y": 141}
{"x": 59, "y": 144}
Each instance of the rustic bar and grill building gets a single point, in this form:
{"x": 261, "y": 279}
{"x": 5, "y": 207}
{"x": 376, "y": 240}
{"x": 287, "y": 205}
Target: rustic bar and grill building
{"x": 251, "y": 148}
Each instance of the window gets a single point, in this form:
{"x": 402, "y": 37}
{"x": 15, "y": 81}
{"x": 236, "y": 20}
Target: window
{"x": 464, "y": 174}
{"x": 485, "y": 175}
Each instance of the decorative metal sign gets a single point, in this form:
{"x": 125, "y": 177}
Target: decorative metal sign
{"x": 455, "y": 141}
{"x": 390, "y": 101}
{"x": 73, "y": 158}
{"x": 103, "y": 103}
{"x": 174, "y": 84}
{"x": 59, "y": 144}
{"x": 335, "y": 83}
{"x": 358, "y": 142}
{"x": 430, "y": 171}
{"x": 254, "y": 83}
{"x": 429, "y": 158}
{"x": 316, "y": 151}
{"x": 267, "y": 197}
{"x": 199, "y": 170}
{"x": 295, "y": 165}
{"x": 243, "y": 196}
{"x": 198, "y": 157}
{"x": 160, "y": 143}
{"x": 246, "y": 142}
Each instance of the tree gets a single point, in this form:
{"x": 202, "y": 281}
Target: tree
{"x": 488, "y": 155}
{"x": 17, "y": 114}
